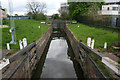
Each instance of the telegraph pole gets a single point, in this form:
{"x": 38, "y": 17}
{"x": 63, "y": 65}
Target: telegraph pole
{"x": 12, "y": 30}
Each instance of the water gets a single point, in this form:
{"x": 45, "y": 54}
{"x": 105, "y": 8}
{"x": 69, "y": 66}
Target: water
{"x": 57, "y": 63}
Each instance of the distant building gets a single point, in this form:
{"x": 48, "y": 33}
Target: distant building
{"x": 3, "y": 13}
{"x": 64, "y": 8}
{"x": 112, "y": 9}
{"x": 17, "y": 17}
{"x": 49, "y": 16}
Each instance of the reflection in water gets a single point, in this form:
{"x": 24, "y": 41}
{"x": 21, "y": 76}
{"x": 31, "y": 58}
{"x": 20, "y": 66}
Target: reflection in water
{"x": 57, "y": 63}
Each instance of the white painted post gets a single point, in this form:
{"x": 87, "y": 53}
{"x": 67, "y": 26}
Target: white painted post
{"x": 105, "y": 45}
{"x": 42, "y": 22}
{"x": 20, "y": 43}
{"x": 38, "y": 26}
{"x": 78, "y": 26}
{"x": 89, "y": 41}
{"x": 24, "y": 42}
{"x": 92, "y": 44}
{"x": 8, "y": 46}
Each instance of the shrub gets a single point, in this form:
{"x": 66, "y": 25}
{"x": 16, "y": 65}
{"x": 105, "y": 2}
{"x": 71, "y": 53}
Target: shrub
{"x": 39, "y": 16}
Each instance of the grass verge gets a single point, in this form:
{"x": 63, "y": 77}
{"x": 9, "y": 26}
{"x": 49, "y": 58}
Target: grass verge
{"x": 24, "y": 29}
{"x": 98, "y": 34}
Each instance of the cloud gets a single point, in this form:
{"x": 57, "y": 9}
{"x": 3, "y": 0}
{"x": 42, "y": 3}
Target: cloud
{"x": 19, "y": 6}
{"x": 53, "y": 6}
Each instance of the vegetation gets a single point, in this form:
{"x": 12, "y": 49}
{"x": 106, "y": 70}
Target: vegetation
{"x": 80, "y": 9}
{"x": 100, "y": 35}
{"x": 55, "y": 16}
{"x": 87, "y": 13}
{"x": 39, "y": 16}
{"x": 65, "y": 16}
{"x": 24, "y": 29}
{"x": 36, "y": 9}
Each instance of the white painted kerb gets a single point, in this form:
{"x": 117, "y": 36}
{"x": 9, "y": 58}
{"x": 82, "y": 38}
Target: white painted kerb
{"x": 111, "y": 64}
{"x": 3, "y": 64}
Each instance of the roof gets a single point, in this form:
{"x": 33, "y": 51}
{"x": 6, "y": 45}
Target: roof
{"x": 113, "y": 2}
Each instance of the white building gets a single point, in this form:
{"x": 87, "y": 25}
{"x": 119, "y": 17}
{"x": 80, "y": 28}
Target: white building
{"x": 112, "y": 9}
{"x": 64, "y": 8}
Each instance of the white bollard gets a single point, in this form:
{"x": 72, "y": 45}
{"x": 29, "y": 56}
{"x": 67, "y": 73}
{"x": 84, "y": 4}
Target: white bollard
{"x": 38, "y": 26}
{"x": 20, "y": 43}
{"x": 89, "y": 41}
{"x": 105, "y": 45}
{"x": 24, "y": 42}
{"x": 42, "y": 22}
{"x": 78, "y": 26}
{"x": 8, "y": 46}
{"x": 92, "y": 44}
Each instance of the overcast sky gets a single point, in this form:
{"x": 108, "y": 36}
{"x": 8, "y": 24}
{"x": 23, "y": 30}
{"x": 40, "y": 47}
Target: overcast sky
{"x": 19, "y": 6}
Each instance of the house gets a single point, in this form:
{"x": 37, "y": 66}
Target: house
{"x": 3, "y": 13}
{"x": 112, "y": 9}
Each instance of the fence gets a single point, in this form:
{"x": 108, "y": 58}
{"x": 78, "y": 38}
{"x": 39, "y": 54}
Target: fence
{"x": 24, "y": 61}
{"x": 17, "y": 17}
{"x": 82, "y": 52}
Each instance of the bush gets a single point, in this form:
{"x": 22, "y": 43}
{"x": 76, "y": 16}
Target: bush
{"x": 39, "y": 17}
{"x": 55, "y": 16}
{"x": 65, "y": 16}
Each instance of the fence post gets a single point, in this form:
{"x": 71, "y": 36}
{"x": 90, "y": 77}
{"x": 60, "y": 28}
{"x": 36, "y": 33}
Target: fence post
{"x": 24, "y": 42}
{"x": 105, "y": 45}
{"x": 88, "y": 41}
{"x": 92, "y": 45}
{"x": 8, "y": 46}
{"x": 20, "y": 43}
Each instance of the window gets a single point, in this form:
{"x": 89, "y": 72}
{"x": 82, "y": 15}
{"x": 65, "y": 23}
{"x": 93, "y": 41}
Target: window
{"x": 108, "y": 8}
{"x": 115, "y": 8}
{"x": 118, "y": 12}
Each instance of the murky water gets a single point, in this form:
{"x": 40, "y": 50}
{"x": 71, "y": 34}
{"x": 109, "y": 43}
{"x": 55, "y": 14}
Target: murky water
{"x": 57, "y": 63}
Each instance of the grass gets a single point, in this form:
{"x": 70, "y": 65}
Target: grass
{"x": 98, "y": 34}
{"x": 24, "y": 29}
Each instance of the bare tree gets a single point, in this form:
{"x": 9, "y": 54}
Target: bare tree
{"x": 36, "y": 7}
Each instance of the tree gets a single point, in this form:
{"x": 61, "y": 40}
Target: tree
{"x": 16, "y": 14}
{"x": 8, "y": 15}
{"x": 55, "y": 16}
{"x": 93, "y": 11}
{"x": 29, "y": 14}
{"x": 65, "y": 16}
{"x": 78, "y": 10}
{"x": 40, "y": 16}
{"x": 36, "y": 7}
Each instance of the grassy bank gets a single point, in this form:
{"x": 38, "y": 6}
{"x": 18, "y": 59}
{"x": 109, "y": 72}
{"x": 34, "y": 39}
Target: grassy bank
{"x": 98, "y": 34}
{"x": 24, "y": 29}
